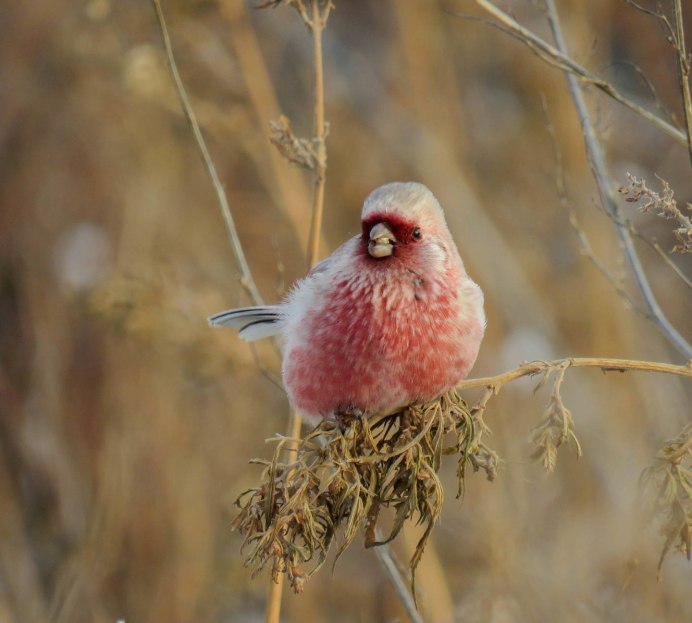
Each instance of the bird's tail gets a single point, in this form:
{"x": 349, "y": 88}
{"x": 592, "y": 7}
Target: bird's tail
{"x": 253, "y": 323}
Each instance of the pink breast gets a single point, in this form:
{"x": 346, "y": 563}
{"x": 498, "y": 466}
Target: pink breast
{"x": 376, "y": 349}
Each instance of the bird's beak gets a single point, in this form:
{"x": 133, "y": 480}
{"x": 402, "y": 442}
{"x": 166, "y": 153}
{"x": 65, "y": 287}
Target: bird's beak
{"x": 382, "y": 241}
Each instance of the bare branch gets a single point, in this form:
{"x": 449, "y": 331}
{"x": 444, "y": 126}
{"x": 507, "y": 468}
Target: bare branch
{"x": 599, "y": 171}
{"x": 605, "y": 364}
{"x": 568, "y": 207}
{"x": 317, "y": 24}
{"x": 675, "y": 34}
{"x": 558, "y": 58}
{"x": 683, "y": 72}
{"x": 246, "y": 278}
{"x": 311, "y": 155}
{"x": 384, "y": 555}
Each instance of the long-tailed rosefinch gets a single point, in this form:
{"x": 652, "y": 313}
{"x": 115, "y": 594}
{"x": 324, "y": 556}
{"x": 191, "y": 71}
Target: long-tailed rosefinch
{"x": 389, "y": 319}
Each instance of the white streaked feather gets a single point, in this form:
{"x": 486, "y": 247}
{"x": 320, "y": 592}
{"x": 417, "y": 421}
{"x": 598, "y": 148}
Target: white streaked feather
{"x": 253, "y": 323}
{"x": 258, "y": 330}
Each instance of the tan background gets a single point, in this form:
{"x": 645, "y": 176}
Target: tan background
{"x": 127, "y": 424}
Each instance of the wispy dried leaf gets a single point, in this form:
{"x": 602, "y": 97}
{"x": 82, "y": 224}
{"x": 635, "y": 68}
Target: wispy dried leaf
{"x": 298, "y": 151}
{"x": 557, "y": 425}
{"x": 666, "y": 486}
{"x": 343, "y": 478}
{"x": 664, "y": 205}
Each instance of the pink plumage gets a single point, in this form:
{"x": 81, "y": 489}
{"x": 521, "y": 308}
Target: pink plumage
{"x": 389, "y": 319}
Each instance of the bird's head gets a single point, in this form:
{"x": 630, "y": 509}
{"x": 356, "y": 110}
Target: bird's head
{"x": 404, "y": 220}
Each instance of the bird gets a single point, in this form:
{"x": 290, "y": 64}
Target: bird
{"x": 389, "y": 319}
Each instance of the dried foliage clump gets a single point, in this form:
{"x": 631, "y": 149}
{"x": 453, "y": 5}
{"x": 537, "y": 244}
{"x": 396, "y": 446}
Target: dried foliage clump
{"x": 344, "y": 476}
{"x": 664, "y": 205}
{"x": 667, "y": 486}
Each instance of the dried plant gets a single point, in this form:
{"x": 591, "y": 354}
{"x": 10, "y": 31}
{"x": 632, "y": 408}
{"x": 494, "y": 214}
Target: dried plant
{"x": 664, "y": 205}
{"x": 343, "y": 476}
{"x": 667, "y": 485}
{"x": 557, "y": 425}
{"x": 298, "y": 151}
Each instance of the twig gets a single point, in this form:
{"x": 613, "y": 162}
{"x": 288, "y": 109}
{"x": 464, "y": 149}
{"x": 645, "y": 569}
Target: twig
{"x": 568, "y": 207}
{"x": 246, "y": 278}
{"x": 683, "y": 72}
{"x": 272, "y": 613}
{"x": 317, "y": 24}
{"x": 599, "y": 171}
{"x": 653, "y": 243}
{"x": 558, "y": 58}
{"x": 606, "y": 365}
{"x": 675, "y": 34}
{"x": 384, "y": 555}
{"x": 616, "y": 283}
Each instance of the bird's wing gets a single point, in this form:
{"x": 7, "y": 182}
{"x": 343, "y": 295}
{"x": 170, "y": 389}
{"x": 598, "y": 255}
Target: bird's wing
{"x": 253, "y": 323}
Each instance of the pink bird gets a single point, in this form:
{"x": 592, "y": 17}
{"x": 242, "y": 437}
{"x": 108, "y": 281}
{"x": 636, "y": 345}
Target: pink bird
{"x": 389, "y": 319}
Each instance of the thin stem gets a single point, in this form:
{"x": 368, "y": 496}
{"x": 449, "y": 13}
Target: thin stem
{"x": 599, "y": 171}
{"x": 558, "y": 58}
{"x": 384, "y": 555}
{"x": 605, "y": 364}
{"x": 683, "y": 72}
{"x": 273, "y": 611}
{"x": 317, "y": 24}
{"x": 246, "y": 278}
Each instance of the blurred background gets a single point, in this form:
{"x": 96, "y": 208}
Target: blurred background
{"x": 127, "y": 424}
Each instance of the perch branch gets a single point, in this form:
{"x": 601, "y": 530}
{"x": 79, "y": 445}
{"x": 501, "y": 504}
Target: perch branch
{"x": 606, "y": 365}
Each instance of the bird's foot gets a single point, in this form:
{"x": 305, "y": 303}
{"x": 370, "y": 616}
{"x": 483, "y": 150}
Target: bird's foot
{"x": 344, "y": 416}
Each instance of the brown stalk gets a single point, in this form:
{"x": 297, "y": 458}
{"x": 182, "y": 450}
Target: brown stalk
{"x": 316, "y": 22}
{"x": 605, "y": 364}
{"x": 683, "y": 72}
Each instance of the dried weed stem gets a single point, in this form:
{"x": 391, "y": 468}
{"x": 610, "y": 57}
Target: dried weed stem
{"x": 675, "y": 34}
{"x": 605, "y": 364}
{"x": 311, "y": 155}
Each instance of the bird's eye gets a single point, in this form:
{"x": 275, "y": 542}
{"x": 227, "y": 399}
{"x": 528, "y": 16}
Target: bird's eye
{"x": 416, "y": 234}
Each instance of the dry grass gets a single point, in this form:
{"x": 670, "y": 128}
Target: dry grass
{"x": 126, "y": 424}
